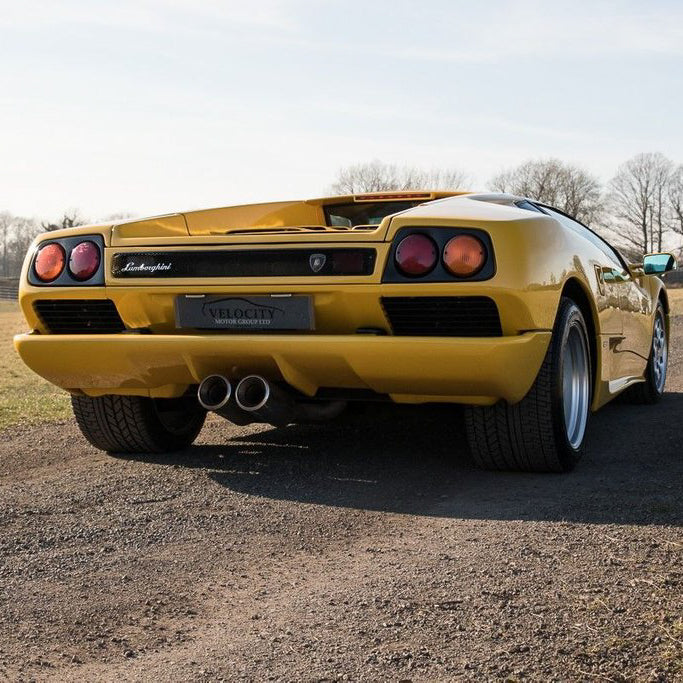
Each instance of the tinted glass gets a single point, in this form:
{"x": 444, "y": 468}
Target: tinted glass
{"x": 364, "y": 213}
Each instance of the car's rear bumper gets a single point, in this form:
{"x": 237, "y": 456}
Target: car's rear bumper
{"x": 409, "y": 369}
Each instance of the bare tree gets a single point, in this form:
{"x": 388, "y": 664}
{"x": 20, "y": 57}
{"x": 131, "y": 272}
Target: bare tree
{"x": 675, "y": 197}
{"x": 24, "y": 230}
{"x": 16, "y": 235}
{"x": 640, "y": 196}
{"x": 376, "y": 176}
{"x": 70, "y": 218}
{"x": 6, "y": 220}
{"x": 570, "y": 188}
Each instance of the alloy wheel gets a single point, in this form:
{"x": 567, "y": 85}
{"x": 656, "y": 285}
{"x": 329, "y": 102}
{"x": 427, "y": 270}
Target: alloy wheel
{"x": 575, "y": 386}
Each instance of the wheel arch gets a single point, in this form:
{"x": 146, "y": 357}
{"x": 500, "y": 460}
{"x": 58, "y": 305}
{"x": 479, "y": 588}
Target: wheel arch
{"x": 575, "y": 290}
{"x": 658, "y": 293}
{"x": 663, "y": 296}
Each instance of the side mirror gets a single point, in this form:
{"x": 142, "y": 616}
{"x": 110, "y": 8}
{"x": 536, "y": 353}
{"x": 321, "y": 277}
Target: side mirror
{"x": 655, "y": 264}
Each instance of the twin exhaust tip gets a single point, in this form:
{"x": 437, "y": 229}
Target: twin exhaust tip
{"x": 255, "y": 399}
{"x": 251, "y": 393}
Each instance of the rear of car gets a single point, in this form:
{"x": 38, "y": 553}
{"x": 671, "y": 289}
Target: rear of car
{"x": 150, "y": 308}
{"x": 283, "y": 312}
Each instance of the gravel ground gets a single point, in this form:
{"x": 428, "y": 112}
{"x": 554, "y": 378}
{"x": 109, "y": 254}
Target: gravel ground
{"x": 365, "y": 549}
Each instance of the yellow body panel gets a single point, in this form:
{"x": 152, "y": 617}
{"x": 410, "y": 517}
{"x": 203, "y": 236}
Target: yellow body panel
{"x": 535, "y": 258}
{"x": 173, "y": 225}
{"x": 164, "y": 365}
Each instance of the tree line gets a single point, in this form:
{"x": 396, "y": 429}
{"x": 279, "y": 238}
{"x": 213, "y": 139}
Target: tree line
{"x": 640, "y": 208}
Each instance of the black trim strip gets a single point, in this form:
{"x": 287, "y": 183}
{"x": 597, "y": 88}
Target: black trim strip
{"x": 244, "y": 263}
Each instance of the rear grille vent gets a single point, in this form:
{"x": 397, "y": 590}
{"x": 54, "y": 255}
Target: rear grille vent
{"x": 442, "y": 316}
{"x": 79, "y": 316}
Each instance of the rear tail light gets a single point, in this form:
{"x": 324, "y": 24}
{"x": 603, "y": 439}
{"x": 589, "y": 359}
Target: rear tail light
{"x": 84, "y": 260}
{"x": 50, "y": 262}
{"x": 464, "y": 255}
{"x": 416, "y": 255}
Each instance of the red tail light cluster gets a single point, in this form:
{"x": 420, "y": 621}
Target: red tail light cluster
{"x": 84, "y": 260}
{"x": 50, "y": 261}
{"x": 79, "y": 259}
{"x": 418, "y": 254}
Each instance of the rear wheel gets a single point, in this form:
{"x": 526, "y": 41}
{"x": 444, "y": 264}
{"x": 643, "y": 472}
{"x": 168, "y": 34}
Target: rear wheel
{"x": 545, "y": 431}
{"x": 136, "y": 424}
{"x": 652, "y": 389}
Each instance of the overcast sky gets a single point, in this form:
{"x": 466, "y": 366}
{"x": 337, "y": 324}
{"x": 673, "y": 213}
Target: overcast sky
{"x": 152, "y": 106}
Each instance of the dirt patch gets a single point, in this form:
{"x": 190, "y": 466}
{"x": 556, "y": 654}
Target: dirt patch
{"x": 365, "y": 549}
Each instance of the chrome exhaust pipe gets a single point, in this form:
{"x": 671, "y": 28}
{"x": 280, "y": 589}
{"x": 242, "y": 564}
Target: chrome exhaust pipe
{"x": 215, "y": 394}
{"x": 270, "y": 403}
{"x": 266, "y": 402}
{"x": 252, "y": 393}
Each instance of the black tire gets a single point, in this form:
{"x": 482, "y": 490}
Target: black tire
{"x": 135, "y": 424}
{"x": 531, "y": 435}
{"x": 651, "y": 390}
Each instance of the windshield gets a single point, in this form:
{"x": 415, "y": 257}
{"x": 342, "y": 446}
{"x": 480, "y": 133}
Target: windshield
{"x": 364, "y": 213}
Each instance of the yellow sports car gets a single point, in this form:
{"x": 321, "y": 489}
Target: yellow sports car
{"x": 284, "y": 312}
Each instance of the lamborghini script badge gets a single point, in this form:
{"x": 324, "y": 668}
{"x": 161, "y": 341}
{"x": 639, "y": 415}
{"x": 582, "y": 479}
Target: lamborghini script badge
{"x": 317, "y": 261}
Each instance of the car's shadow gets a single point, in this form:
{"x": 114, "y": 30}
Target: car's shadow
{"x": 414, "y": 461}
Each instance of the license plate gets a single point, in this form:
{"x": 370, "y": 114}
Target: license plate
{"x": 244, "y": 313}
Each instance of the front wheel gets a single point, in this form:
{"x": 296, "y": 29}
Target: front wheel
{"x": 652, "y": 389}
{"x": 136, "y": 424}
{"x": 545, "y": 431}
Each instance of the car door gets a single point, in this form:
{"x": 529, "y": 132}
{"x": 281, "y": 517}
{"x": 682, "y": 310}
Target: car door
{"x": 637, "y": 309}
{"x": 631, "y": 349}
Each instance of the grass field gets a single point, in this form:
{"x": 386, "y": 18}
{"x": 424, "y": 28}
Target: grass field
{"x": 26, "y": 398}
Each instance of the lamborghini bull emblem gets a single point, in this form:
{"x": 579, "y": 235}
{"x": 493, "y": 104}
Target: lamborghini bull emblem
{"x": 317, "y": 262}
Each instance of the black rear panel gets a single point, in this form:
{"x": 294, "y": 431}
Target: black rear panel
{"x": 244, "y": 263}
{"x": 79, "y": 316}
{"x": 442, "y": 316}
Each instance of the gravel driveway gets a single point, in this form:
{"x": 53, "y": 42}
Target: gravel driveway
{"x": 365, "y": 549}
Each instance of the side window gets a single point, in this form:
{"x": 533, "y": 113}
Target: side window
{"x": 526, "y": 204}
{"x": 588, "y": 234}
